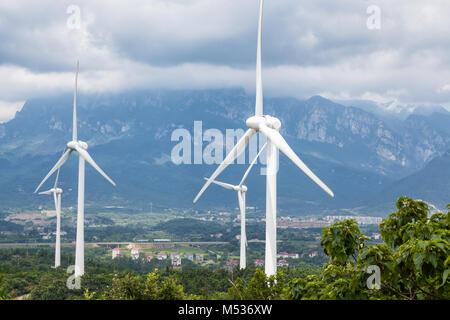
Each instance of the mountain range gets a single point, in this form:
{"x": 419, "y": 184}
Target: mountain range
{"x": 366, "y": 157}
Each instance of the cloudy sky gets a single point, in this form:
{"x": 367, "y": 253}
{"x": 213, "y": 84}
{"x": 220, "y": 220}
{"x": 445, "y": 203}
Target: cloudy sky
{"x": 309, "y": 47}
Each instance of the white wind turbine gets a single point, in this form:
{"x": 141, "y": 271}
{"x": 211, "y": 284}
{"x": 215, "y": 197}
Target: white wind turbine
{"x": 56, "y": 192}
{"x": 241, "y": 190}
{"x": 268, "y": 126}
{"x": 80, "y": 147}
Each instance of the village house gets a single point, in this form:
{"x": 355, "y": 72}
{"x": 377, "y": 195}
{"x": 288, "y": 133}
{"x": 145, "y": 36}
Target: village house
{"x": 176, "y": 262}
{"x": 283, "y": 263}
{"x": 199, "y": 258}
{"x": 148, "y": 257}
{"x": 231, "y": 264}
{"x": 174, "y": 255}
{"x": 293, "y": 256}
{"x": 283, "y": 255}
{"x": 115, "y": 253}
{"x": 134, "y": 253}
{"x": 313, "y": 254}
{"x": 161, "y": 256}
{"x": 189, "y": 256}
{"x": 258, "y": 262}
{"x": 376, "y": 236}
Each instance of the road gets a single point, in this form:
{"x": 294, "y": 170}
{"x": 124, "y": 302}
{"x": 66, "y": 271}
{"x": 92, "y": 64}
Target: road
{"x": 96, "y": 244}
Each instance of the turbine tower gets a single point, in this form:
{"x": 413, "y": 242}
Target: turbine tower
{"x": 56, "y": 192}
{"x": 270, "y": 127}
{"x": 81, "y": 148}
{"x": 241, "y": 191}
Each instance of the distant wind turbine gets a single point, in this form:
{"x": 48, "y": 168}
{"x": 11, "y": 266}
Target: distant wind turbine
{"x": 241, "y": 191}
{"x": 81, "y": 148}
{"x": 270, "y": 127}
{"x": 56, "y": 192}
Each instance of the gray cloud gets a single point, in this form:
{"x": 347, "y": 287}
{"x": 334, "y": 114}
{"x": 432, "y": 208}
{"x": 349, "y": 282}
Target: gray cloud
{"x": 309, "y": 47}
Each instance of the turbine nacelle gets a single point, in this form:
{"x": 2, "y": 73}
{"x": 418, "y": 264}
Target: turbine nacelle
{"x": 241, "y": 188}
{"x": 52, "y": 191}
{"x": 73, "y": 145}
{"x": 256, "y": 122}
{"x": 56, "y": 190}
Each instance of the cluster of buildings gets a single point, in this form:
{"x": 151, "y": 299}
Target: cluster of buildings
{"x": 50, "y": 235}
{"x": 319, "y": 223}
{"x": 285, "y": 255}
{"x": 360, "y": 219}
{"x": 282, "y": 262}
{"x": 174, "y": 256}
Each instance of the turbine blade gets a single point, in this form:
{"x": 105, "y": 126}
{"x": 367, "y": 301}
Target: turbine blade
{"x": 58, "y": 165}
{"x": 48, "y": 192}
{"x": 74, "y": 132}
{"x": 222, "y": 184}
{"x": 85, "y": 155}
{"x": 259, "y": 85}
{"x": 57, "y": 174}
{"x": 277, "y": 139}
{"x": 235, "y": 152}
{"x": 251, "y": 165}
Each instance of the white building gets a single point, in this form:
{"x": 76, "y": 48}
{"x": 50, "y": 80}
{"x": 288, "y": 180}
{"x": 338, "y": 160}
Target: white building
{"x": 148, "y": 257}
{"x": 174, "y": 255}
{"x": 283, "y": 263}
{"x": 283, "y": 255}
{"x": 135, "y": 253}
{"x": 161, "y": 256}
{"x": 115, "y": 252}
{"x": 176, "y": 262}
{"x": 376, "y": 236}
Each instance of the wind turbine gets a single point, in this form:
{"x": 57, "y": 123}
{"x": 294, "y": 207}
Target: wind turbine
{"x": 241, "y": 191}
{"x": 81, "y": 148}
{"x": 270, "y": 127}
{"x": 56, "y": 192}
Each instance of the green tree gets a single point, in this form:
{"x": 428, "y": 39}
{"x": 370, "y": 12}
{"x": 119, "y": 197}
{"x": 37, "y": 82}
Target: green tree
{"x": 3, "y": 294}
{"x": 414, "y": 261}
{"x": 342, "y": 240}
{"x": 260, "y": 287}
{"x": 133, "y": 287}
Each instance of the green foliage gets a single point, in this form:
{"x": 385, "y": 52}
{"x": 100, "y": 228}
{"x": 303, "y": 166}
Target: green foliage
{"x": 204, "y": 282}
{"x": 133, "y": 287}
{"x": 414, "y": 263}
{"x": 260, "y": 287}
{"x": 191, "y": 228}
{"x": 3, "y": 294}
{"x": 400, "y": 225}
{"x": 342, "y": 240}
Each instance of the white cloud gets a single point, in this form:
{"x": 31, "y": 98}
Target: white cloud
{"x": 9, "y": 109}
